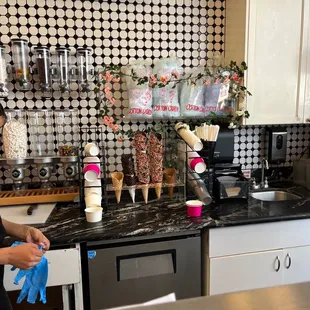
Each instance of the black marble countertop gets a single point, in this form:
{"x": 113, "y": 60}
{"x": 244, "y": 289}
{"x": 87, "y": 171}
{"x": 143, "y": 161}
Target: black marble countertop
{"x": 67, "y": 224}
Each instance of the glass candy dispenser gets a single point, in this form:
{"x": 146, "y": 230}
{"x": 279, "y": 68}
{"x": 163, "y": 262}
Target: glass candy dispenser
{"x": 4, "y": 92}
{"x": 41, "y": 133}
{"x": 84, "y": 69}
{"x": 43, "y": 61}
{"x": 20, "y": 51}
{"x": 63, "y": 69}
{"x": 67, "y": 130}
{"x": 42, "y": 143}
{"x": 14, "y": 135}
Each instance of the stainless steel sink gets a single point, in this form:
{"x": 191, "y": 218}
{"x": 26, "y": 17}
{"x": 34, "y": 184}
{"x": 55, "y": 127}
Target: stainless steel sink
{"x": 274, "y": 196}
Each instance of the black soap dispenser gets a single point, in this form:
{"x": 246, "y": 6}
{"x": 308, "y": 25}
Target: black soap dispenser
{"x": 276, "y": 144}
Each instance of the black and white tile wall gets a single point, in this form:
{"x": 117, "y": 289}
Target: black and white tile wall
{"x": 249, "y": 146}
{"x": 118, "y": 31}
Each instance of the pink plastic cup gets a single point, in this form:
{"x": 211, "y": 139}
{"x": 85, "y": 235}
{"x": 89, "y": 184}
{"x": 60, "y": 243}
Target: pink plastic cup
{"x": 194, "y": 208}
{"x": 91, "y": 172}
{"x": 198, "y": 165}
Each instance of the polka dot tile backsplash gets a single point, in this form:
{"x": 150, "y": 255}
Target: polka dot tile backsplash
{"x": 117, "y": 32}
{"x": 249, "y": 144}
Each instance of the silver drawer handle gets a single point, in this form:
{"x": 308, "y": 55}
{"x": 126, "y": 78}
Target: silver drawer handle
{"x": 289, "y": 261}
{"x": 277, "y": 260}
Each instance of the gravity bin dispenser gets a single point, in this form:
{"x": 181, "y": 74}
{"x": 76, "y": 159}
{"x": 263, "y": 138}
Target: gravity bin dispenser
{"x": 31, "y": 159}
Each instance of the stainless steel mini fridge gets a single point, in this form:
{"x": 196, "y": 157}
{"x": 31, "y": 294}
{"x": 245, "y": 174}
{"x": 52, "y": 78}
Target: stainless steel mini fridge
{"x": 129, "y": 273}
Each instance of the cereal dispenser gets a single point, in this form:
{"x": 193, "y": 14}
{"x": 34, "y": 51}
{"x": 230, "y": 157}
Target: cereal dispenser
{"x": 84, "y": 69}
{"x": 42, "y": 143}
{"x": 14, "y": 135}
{"x": 63, "y": 69}
{"x": 43, "y": 62}
{"x": 20, "y": 51}
{"x": 17, "y": 174}
{"x": 67, "y": 130}
{"x": 4, "y": 92}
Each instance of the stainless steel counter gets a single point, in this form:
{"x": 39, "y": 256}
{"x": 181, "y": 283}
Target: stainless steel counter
{"x": 288, "y": 297}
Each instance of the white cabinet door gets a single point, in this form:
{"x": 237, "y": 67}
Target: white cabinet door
{"x": 64, "y": 267}
{"x": 245, "y": 272}
{"x": 276, "y": 57}
{"x": 296, "y": 265}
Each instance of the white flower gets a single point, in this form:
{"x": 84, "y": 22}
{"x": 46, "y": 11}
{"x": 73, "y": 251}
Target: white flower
{"x": 231, "y": 125}
{"x": 239, "y": 113}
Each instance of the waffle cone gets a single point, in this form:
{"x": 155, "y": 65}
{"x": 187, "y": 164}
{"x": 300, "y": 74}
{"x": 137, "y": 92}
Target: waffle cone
{"x": 117, "y": 180}
{"x": 145, "y": 192}
{"x": 170, "y": 175}
{"x": 158, "y": 189}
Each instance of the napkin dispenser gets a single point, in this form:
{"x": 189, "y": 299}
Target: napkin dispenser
{"x": 229, "y": 182}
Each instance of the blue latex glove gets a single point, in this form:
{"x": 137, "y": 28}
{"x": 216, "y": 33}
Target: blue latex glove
{"x": 35, "y": 282}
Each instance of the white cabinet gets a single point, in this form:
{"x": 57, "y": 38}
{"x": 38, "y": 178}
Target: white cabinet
{"x": 296, "y": 265}
{"x": 245, "y": 272}
{"x": 64, "y": 268}
{"x": 272, "y": 37}
{"x": 256, "y": 256}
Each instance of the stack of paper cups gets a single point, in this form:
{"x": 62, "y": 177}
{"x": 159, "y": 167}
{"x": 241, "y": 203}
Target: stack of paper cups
{"x": 92, "y": 183}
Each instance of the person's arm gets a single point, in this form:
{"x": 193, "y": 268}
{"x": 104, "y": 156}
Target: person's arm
{"x": 16, "y": 230}
{"x": 27, "y": 233}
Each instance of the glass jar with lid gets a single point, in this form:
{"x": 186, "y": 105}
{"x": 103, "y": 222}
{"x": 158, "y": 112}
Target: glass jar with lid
{"x": 41, "y": 132}
{"x": 20, "y": 51}
{"x": 43, "y": 62}
{"x": 4, "y": 92}
{"x": 14, "y": 135}
{"x": 63, "y": 69}
{"x": 67, "y": 130}
{"x": 84, "y": 69}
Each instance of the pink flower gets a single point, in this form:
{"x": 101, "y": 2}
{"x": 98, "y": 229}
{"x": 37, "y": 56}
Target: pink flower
{"x": 106, "y": 122}
{"x": 107, "y": 90}
{"x": 120, "y": 139}
{"x": 106, "y": 118}
{"x": 236, "y": 78}
{"x": 112, "y": 100}
{"x": 115, "y": 128}
{"x": 116, "y": 80}
{"x": 164, "y": 79}
{"x": 108, "y": 77}
{"x": 175, "y": 74}
{"x": 111, "y": 120}
{"x": 151, "y": 84}
{"x": 153, "y": 78}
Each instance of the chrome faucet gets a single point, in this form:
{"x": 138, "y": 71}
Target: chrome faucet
{"x": 265, "y": 165}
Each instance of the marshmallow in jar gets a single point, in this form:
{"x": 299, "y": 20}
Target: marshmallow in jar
{"x": 14, "y": 135}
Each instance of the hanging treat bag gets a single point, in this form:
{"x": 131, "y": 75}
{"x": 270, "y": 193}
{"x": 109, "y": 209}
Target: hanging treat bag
{"x": 192, "y": 97}
{"x": 165, "y": 99}
{"x": 139, "y": 96}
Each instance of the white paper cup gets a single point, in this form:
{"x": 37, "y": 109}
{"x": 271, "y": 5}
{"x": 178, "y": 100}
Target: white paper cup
{"x": 93, "y": 199}
{"x": 91, "y": 172}
{"x": 92, "y": 190}
{"x": 92, "y": 187}
{"x": 91, "y": 160}
{"x": 93, "y": 214}
{"x": 91, "y": 149}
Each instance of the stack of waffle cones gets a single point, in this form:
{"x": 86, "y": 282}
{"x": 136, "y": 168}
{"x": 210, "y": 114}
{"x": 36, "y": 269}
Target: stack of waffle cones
{"x": 117, "y": 180}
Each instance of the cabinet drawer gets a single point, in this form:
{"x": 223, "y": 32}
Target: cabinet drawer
{"x": 258, "y": 237}
{"x": 245, "y": 272}
{"x": 63, "y": 268}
